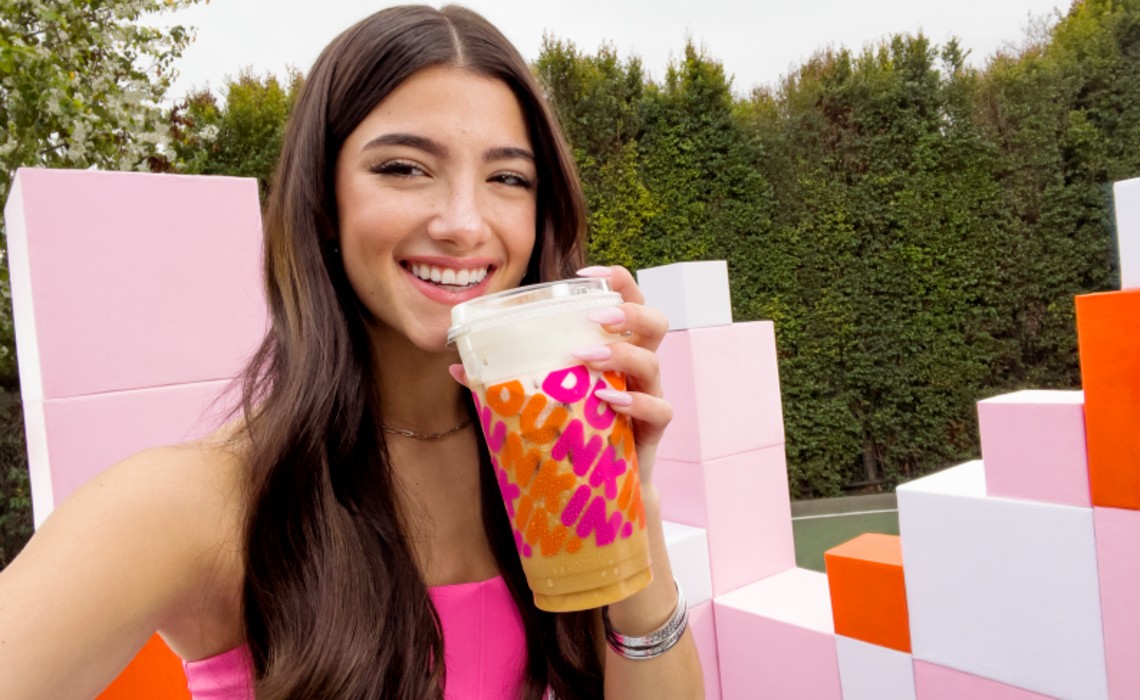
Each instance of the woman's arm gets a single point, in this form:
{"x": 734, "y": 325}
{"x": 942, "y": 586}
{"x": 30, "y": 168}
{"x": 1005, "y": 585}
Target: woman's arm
{"x": 110, "y": 566}
{"x": 676, "y": 673}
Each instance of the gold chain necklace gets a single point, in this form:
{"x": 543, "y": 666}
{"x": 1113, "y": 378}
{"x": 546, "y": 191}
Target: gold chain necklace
{"x": 403, "y": 432}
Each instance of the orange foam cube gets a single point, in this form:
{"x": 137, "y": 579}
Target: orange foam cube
{"x": 155, "y": 672}
{"x": 868, "y": 591}
{"x": 1108, "y": 333}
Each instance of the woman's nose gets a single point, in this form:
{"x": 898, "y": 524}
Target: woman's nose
{"x": 460, "y": 218}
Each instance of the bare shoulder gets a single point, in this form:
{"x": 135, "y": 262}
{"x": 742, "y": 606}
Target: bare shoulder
{"x": 129, "y": 553}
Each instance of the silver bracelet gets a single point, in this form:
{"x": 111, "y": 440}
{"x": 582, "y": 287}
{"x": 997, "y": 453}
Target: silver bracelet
{"x": 655, "y": 643}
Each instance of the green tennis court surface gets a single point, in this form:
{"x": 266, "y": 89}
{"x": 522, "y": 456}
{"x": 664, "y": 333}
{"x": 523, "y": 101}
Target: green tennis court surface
{"x": 820, "y": 525}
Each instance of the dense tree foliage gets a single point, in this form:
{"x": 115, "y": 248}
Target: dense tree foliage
{"x": 240, "y": 135}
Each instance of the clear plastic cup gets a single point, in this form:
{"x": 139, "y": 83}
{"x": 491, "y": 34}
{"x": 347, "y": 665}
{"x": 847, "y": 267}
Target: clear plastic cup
{"x": 565, "y": 461}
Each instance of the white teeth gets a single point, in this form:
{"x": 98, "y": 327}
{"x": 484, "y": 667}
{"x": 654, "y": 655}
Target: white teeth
{"x": 455, "y": 278}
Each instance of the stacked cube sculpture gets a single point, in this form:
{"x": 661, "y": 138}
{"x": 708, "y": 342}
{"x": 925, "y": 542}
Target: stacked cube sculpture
{"x": 1015, "y": 577}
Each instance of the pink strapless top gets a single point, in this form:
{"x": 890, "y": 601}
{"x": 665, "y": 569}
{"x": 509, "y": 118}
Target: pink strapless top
{"x": 484, "y": 648}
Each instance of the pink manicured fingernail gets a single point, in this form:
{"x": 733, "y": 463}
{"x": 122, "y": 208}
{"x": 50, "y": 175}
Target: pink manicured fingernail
{"x": 607, "y": 316}
{"x": 592, "y": 353}
{"x": 614, "y": 397}
{"x": 595, "y": 271}
{"x": 457, "y": 373}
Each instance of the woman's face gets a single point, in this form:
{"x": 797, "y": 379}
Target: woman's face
{"x": 436, "y": 191}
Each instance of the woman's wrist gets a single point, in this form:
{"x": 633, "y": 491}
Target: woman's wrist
{"x": 655, "y": 643}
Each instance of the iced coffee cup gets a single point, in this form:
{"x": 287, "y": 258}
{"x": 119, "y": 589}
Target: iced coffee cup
{"x": 565, "y": 461}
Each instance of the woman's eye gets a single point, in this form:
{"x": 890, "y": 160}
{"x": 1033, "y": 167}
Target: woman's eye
{"x": 513, "y": 179}
{"x": 399, "y": 168}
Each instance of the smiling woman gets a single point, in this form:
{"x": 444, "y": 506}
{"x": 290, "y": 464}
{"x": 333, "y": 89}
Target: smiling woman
{"x": 344, "y": 536}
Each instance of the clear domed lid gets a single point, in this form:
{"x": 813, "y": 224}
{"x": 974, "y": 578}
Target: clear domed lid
{"x": 521, "y": 303}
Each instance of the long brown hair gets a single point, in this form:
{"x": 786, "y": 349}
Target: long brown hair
{"x": 334, "y": 605}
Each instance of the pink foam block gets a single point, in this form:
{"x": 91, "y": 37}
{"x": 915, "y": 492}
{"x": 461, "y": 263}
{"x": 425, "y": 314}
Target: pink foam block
{"x": 689, "y": 558}
{"x": 871, "y": 672}
{"x": 775, "y": 639}
{"x": 934, "y": 682}
{"x": 1033, "y": 446}
{"x": 690, "y": 294}
{"x": 725, "y": 390}
{"x": 1118, "y": 560}
{"x": 1004, "y": 589}
{"x": 1127, "y": 201}
{"x": 742, "y": 502}
{"x": 702, "y": 622}
{"x": 72, "y": 440}
{"x": 171, "y": 263}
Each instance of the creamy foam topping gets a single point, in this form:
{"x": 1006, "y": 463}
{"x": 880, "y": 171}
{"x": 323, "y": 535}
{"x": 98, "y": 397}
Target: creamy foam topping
{"x": 448, "y": 276}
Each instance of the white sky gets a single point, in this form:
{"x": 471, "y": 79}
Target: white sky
{"x": 758, "y": 42}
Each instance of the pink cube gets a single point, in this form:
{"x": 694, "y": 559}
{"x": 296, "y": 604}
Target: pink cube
{"x": 934, "y": 682}
{"x": 1033, "y": 446}
{"x": 775, "y": 639}
{"x": 742, "y": 501}
{"x": 1118, "y": 561}
{"x": 138, "y": 280}
{"x": 72, "y": 440}
{"x": 725, "y": 390}
{"x": 703, "y": 624}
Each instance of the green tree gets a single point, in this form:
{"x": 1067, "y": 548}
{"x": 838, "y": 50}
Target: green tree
{"x": 239, "y": 137}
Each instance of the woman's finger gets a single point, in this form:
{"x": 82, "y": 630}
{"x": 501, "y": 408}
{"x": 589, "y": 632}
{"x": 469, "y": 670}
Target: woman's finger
{"x": 637, "y": 324}
{"x": 621, "y": 281}
{"x": 458, "y": 373}
{"x": 650, "y": 414}
{"x": 638, "y": 364}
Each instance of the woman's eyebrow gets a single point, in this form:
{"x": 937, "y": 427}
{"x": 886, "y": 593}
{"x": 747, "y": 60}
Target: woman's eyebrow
{"x": 507, "y": 153}
{"x": 411, "y": 140}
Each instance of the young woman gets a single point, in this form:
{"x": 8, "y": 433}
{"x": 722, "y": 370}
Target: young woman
{"x": 333, "y": 541}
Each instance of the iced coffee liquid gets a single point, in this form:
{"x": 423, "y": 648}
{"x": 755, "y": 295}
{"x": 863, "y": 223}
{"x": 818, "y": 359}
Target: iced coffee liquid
{"x": 567, "y": 469}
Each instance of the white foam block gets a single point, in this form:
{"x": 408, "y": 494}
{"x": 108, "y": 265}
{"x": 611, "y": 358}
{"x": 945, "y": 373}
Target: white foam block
{"x": 691, "y": 294}
{"x": 1003, "y": 589}
{"x": 1127, "y": 198}
{"x": 689, "y": 556}
{"x": 871, "y": 672}
{"x": 776, "y": 639}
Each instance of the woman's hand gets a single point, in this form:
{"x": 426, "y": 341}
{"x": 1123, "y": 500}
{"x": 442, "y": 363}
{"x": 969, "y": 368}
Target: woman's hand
{"x": 642, "y": 329}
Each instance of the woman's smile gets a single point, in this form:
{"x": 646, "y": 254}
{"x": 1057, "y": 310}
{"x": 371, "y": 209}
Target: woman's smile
{"x": 449, "y": 281}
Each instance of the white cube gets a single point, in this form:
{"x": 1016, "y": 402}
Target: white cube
{"x": 1000, "y": 588}
{"x": 1127, "y": 197}
{"x": 689, "y": 556}
{"x": 871, "y": 672}
{"x": 691, "y": 294}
